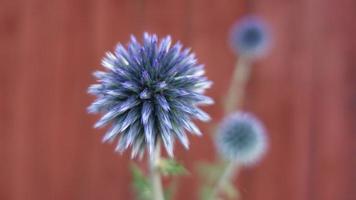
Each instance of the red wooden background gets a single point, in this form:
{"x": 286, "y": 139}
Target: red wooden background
{"x": 304, "y": 91}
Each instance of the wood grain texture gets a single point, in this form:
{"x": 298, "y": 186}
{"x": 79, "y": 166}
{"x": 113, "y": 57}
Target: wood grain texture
{"x": 304, "y": 91}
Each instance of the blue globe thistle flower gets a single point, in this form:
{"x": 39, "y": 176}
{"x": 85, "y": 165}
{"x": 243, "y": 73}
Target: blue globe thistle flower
{"x": 241, "y": 137}
{"x": 150, "y": 92}
{"x": 250, "y": 37}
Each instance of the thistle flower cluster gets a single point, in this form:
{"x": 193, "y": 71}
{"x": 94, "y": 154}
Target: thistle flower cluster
{"x": 150, "y": 92}
{"x": 250, "y": 37}
{"x": 241, "y": 137}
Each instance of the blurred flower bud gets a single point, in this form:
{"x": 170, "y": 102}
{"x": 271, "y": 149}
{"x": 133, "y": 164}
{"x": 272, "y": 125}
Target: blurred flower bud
{"x": 250, "y": 37}
{"x": 241, "y": 137}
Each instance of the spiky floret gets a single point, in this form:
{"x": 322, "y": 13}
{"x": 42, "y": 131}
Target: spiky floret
{"x": 150, "y": 92}
{"x": 250, "y": 37}
{"x": 241, "y": 138}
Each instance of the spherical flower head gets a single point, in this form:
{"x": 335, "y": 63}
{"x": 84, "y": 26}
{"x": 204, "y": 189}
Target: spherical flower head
{"x": 250, "y": 37}
{"x": 150, "y": 92}
{"x": 241, "y": 138}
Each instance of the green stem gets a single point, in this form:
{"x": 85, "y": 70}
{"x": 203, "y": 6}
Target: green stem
{"x": 229, "y": 172}
{"x": 155, "y": 176}
{"x": 239, "y": 80}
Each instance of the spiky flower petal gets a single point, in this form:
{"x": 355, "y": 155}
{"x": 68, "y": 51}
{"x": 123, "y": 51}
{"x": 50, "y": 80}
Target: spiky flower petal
{"x": 250, "y": 37}
{"x": 149, "y": 92}
{"x": 241, "y": 137}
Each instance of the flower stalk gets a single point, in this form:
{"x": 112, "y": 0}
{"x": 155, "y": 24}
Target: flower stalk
{"x": 155, "y": 176}
{"x": 239, "y": 80}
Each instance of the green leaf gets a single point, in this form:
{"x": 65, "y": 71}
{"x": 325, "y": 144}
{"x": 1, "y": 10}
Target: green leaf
{"x": 171, "y": 167}
{"x": 141, "y": 184}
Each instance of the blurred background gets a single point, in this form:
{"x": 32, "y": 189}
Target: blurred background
{"x": 304, "y": 91}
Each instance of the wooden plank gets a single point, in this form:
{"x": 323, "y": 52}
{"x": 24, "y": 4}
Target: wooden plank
{"x": 33, "y": 99}
{"x": 72, "y": 136}
{"x": 334, "y": 136}
{"x": 11, "y": 25}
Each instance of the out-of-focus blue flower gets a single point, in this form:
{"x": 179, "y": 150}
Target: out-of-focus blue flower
{"x": 250, "y": 37}
{"x": 150, "y": 92}
{"x": 241, "y": 138}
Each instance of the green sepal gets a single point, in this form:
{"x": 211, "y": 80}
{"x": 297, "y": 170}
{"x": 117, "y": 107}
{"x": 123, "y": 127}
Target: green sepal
{"x": 141, "y": 184}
